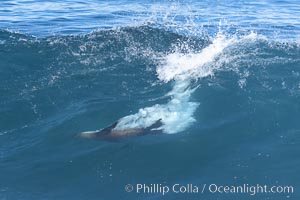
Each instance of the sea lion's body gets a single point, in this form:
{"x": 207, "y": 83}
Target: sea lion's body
{"x": 110, "y": 133}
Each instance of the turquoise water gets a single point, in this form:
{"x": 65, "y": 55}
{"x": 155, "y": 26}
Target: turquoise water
{"x": 223, "y": 76}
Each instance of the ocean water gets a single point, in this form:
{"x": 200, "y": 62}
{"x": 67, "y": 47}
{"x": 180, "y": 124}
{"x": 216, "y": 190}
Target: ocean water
{"x": 223, "y": 76}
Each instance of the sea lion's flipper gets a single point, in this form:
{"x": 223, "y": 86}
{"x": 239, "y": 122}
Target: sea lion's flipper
{"x": 97, "y": 133}
{"x": 110, "y": 127}
{"x": 156, "y": 125}
{"x": 113, "y": 125}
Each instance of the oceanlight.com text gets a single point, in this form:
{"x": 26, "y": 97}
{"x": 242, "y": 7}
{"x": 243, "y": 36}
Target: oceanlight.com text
{"x": 141, "y": 188}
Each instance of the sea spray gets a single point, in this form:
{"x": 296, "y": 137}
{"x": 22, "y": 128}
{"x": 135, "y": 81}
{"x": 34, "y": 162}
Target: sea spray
{"x": 177, "y": 114}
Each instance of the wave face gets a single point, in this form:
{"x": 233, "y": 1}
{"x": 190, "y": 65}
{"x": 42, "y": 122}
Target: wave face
{"x": 119, "y": 64}
{"x": 227, "y": 93}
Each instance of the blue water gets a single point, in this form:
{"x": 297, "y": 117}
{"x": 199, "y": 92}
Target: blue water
{"x": 223, "y": 76}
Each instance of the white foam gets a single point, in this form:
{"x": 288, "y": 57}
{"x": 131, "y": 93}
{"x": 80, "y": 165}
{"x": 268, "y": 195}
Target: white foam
{"x": 180, "y": 66}
{"x": 177, "y": 114}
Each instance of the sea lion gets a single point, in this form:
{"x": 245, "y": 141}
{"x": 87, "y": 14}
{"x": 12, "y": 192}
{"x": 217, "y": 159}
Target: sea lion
{"x": 111, "y": 134}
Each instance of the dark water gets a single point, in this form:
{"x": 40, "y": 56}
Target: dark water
{"x": 224, "y": 77}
